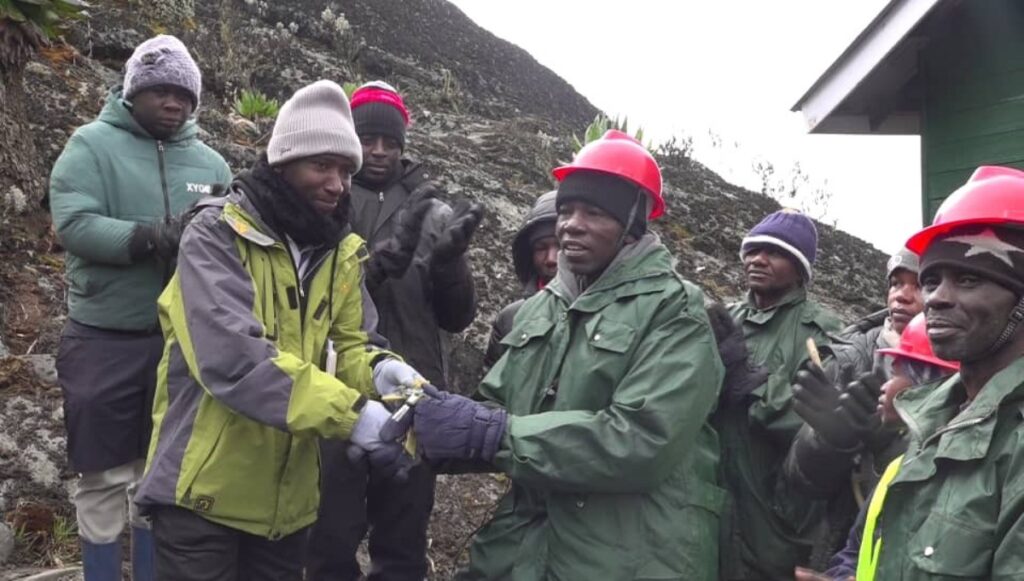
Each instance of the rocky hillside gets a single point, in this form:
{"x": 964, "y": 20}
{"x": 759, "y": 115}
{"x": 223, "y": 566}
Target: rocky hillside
{"x": 488, "y": 119}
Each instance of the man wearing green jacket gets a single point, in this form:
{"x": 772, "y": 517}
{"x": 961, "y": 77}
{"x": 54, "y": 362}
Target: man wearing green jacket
{"x": 116, "y": 193}
{"x": 271, "y": 344}
{"x": 770, "y": 526}
{"x": 955, "y": 507}
{"x": 598, "y": 411}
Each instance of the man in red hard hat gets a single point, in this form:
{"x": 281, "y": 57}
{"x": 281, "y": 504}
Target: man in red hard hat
{"x": 598, "y": 411}
{"x": 955, "y": 507}
{"x": 913, "y": 364}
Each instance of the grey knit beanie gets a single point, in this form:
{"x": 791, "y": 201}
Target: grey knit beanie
{"x": 317, "y": 119}
{"x": 162, "y": 60}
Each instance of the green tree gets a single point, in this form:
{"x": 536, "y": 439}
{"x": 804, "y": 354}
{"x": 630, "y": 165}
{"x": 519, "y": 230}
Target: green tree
{"x": 25, "y": 27}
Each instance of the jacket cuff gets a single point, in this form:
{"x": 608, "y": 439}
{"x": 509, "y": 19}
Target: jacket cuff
{"x": 141, "y": 243}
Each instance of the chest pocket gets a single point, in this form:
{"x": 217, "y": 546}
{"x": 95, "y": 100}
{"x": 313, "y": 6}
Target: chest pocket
{"x": 521, "y": 335}
{"x": 611, "y": 336}
{"x": 609, "y": 345}
{"x": 950, "y": 549}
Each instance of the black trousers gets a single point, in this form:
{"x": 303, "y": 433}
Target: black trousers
{"x": 353, "y": 499}
{"x": 191, "y": 548}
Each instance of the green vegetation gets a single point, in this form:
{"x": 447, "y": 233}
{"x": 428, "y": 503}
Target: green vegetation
{"x": 255, "y": 106}
{"x": 350, "y": 87}
{"x": 28, "y": 25}
{"x": 602, "y": 124}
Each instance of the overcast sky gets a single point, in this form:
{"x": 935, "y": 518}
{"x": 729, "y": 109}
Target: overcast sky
{"x": 729, "y": 67}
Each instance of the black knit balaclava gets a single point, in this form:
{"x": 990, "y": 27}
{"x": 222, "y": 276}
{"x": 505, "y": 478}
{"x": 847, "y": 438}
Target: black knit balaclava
{"x": 614, "y": 195}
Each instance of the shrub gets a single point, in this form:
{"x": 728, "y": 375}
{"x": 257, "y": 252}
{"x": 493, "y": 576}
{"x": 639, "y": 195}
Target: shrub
{"x": 602, "y": 124}
{"x": 27, "y": 25}
{"x": 254, "y": 105}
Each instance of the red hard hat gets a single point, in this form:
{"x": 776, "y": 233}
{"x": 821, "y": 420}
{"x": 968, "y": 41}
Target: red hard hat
{"x": 993, "y": 195}
{"x": 914, "y": 344}
{"x": 620, "y": 155}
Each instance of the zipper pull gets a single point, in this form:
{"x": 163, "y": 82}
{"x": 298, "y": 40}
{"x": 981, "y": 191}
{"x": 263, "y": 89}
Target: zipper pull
{"x": 380, "y": 197}
{"x": 160, "y": 146}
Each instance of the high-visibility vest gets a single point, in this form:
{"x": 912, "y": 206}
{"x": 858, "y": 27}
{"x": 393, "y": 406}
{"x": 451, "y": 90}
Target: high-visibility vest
{"x": 870, "y": 547}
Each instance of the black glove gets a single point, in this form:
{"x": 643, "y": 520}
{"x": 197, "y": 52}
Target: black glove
{"x": 454, "y": 240}
{"x": 858, "y": 404}
{"x": 389, "y": 460}
{"x": 157, "y": 238}
{"x": 843, "y": 414}
{"x": 390, "y": 258}
{"x": 741, "y": 377}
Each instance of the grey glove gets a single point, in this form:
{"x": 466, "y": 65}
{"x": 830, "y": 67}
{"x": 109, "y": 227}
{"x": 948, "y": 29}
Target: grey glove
{"x": 450, "y": 426}
{"x": 458, "y": 232}
{"x": 366, "y": 432}
{"x": 387, "y": 457}
{"x": 392, "y": 375}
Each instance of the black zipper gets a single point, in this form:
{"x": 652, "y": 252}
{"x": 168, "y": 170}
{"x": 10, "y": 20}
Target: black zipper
{"x": 167, "y": 199}
{"x": 163, "y": 181}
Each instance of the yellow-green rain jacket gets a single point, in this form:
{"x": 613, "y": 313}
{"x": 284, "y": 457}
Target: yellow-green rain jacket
{"x": 241, "y": 395}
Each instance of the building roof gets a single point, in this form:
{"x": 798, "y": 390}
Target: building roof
{"x": 867, "y": 89}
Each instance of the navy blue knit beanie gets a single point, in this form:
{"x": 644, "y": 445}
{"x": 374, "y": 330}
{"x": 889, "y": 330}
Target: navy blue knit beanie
{"x": 789, "y": 230}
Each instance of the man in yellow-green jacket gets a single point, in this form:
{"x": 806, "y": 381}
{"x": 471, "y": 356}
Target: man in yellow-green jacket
{"x": 270, "y": 345}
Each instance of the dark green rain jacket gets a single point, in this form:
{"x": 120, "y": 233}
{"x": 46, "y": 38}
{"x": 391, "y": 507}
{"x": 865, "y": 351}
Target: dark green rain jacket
{"x": 612, "y": 460}
{"x": 770, "y": 526}
{"x": 956, "y": 508}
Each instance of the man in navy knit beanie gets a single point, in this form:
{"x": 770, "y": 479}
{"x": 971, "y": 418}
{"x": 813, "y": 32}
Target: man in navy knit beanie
{"x": 772, "y": 524}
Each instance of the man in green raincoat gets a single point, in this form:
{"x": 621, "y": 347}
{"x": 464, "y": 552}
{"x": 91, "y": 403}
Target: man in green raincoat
{"x": 954, "y": 507}
{"x": 603, "y": 398}
{"x": 770, "y": 526}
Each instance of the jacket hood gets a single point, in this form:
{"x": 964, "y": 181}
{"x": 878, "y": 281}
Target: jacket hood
{"x": 543, "y": 210}
{"x": 117, "y": 112}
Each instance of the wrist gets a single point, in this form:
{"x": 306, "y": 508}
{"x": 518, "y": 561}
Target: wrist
{"x": 843, "y": 447}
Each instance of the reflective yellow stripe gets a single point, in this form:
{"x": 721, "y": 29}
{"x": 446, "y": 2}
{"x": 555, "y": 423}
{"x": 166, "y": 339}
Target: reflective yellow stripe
{"x": 870, "y": 548}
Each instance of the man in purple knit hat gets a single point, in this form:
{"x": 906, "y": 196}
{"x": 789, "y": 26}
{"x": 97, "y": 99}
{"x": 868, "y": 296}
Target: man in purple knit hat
{"x": 769, "y": 525}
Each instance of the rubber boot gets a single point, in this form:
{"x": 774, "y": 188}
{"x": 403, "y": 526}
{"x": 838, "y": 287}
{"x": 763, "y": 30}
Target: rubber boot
{"x": 101, "y": 561}
{"x": 143, "y": 555}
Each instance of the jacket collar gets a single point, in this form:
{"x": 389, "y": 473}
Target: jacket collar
{"x": 645, "y": 259}
{"x": 117, "y": 112}
{"x": 243, "y": 217}
{"x": 395, "y": 192}
{"x": 764, "y": 316}
{"x": 935, "y": 417}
